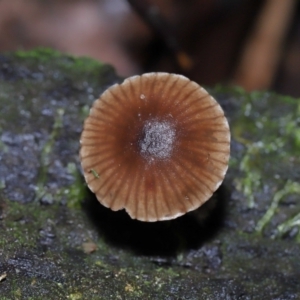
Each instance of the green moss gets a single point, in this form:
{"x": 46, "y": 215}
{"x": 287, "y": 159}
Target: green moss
{"x": 46, "y": 55}
{"x": 290, "y": 224}
{"x": 267, "y": 127}
{"x": 40, "y": 54}
{"x": 46, "y": 152}
{"x": 76, "y": 192}
{"x": 289, "y": 188}
{"x": 20, "y": 223}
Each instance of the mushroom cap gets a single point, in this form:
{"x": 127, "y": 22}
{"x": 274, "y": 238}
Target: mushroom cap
{"x": 156, "y": 145}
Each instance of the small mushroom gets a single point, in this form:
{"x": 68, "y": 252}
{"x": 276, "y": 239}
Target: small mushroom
{"x": 156, "y": 145}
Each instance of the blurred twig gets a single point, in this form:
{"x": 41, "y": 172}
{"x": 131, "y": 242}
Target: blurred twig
{"x": 263, "y": 49}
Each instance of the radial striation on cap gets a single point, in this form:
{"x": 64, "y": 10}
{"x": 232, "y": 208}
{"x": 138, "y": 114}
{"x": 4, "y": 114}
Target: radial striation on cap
{"x": 156, "y": 145}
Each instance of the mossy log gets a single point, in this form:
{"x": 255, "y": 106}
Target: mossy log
{"x": 58, "y": 242}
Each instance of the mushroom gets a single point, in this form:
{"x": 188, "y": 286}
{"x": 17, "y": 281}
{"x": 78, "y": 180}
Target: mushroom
{"x": 156, "y": 145}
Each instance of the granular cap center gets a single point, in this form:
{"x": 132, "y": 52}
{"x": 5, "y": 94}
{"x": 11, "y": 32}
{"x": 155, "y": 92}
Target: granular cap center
{"x": 157, "y": 139}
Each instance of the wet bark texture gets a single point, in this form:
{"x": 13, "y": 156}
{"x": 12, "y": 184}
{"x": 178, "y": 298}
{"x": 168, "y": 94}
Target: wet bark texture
{"x": 58, "y": 242}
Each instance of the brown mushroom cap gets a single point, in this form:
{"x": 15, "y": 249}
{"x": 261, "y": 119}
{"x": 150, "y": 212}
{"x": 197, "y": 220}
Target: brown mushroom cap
{"x": 157, "y": 145}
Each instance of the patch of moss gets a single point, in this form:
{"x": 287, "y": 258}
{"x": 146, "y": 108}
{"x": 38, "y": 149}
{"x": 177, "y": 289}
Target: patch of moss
{"x": 45, "y": 55}
{"x": 267, "y": 127}
{"x": 40, "y": 54}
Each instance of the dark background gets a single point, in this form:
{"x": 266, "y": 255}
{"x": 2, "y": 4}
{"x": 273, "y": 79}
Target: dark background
{"x": 207, "y": 40}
